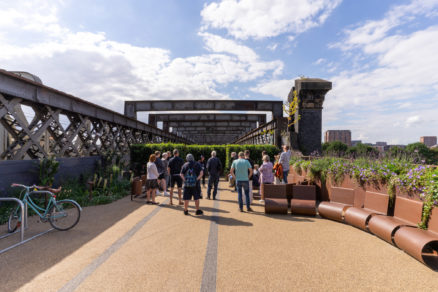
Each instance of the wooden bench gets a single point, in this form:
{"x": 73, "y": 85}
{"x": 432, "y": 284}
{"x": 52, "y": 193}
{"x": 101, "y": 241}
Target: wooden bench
{"x": 303, "y": 200}
{"x": 275, "y": 198}
{"x": 420, "y": 244}
{"x": 340, "y": 200}
{"x": 374, "y": 203}
{"x": 406, "y": 213}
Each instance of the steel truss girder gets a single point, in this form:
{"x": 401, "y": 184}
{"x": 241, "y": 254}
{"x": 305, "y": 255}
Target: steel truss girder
{"x": 45, "y": 134}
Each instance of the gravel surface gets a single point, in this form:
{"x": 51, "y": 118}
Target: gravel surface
{"x": 114, "y": 248}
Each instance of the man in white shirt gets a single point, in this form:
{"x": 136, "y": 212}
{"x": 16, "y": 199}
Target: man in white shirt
{"x": 284, "y": 160}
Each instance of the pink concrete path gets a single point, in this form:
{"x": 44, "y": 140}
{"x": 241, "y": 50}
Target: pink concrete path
{"x": 131, "y": 246}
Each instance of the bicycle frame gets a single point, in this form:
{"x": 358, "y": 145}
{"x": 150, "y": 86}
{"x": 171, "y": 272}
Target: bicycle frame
{"x": 27, "y": 200}
{"x": 42, "y": 212}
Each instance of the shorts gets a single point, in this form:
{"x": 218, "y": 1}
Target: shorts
{"x": 176, "y": 178}
{"x": 190, "y": 192}
{"x": 161, "y": 176}
{"x": 151, "y": 184}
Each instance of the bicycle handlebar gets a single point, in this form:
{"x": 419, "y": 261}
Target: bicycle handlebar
{"x": 23, "y": 186}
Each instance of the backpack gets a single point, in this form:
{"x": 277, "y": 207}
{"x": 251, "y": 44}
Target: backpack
{"x": 190, "y": 178}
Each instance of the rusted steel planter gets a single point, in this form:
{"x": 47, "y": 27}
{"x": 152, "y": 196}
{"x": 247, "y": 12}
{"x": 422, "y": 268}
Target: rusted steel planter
{"x": 275, "y": 199}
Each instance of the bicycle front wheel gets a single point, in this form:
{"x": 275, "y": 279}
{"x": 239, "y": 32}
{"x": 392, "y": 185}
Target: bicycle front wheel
{"x": 14, "y": 220}
{"x": 64, "y": 215}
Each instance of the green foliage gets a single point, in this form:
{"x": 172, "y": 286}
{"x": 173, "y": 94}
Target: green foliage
{"x": 335, "y": 148}
{"x": 48, "y": 167}
{"x": 396, "y": 172}
{"x": 255, "y": 152}
{"x": 421, "y": 153}
{"x": 318, "y": 169}
{"x": 140, "y": 153}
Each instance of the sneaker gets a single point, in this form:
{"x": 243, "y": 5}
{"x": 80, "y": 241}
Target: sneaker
{"x": 241, "y": 210}
{"x": 250, "y": 210}
{"x": 199, "y": 212}
{"x": 262, "y": 201}
{"x": 186, "y": 212}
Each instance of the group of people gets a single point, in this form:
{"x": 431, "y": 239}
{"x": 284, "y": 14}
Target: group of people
{"x": 189, "y": 173}
{"x": 187, "y": 176}
{"x": 244, "y": 173}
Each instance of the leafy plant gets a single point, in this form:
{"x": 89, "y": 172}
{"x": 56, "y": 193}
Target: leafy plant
{"x": 48, "y": 167}
{"x": 291, "y": 109}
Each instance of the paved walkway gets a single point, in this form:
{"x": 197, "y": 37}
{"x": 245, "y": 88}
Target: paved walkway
{"x": 130, "y": 246}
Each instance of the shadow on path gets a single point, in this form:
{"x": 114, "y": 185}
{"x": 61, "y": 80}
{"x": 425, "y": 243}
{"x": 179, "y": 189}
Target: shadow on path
{"x": 226, "y": 221}
{"x": 23, "y": 263}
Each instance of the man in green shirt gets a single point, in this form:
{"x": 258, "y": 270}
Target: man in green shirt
{"x": 241, "y": 170}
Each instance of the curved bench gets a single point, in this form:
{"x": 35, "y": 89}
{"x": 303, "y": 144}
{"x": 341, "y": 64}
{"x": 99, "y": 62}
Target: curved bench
{"x": 406, "y": 213}
{"x": 303, "y": 200}
{"x": 420, "y": 244}
{"x": 340, "y": 200}
{"x": 375, "y": 203}
{"x": 275, "y": 199}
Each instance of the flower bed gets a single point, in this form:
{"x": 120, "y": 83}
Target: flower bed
{"x": 394, "y": 177}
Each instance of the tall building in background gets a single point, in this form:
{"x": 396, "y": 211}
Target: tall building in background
{"x": 429, "y": 141}
{"x": 343, "y": 136}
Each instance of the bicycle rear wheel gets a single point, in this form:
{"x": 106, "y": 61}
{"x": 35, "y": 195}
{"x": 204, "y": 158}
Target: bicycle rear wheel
{"x": 14, "y": 220}
{"x": 64, "y": 215}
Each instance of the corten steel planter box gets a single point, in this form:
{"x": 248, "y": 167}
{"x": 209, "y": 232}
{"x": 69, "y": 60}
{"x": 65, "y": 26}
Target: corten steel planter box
{"x": 276, "y": 199}
{"x": 136, "y": 187}
{"x": 275, "y": 191}
{"x": 409, "y": 195}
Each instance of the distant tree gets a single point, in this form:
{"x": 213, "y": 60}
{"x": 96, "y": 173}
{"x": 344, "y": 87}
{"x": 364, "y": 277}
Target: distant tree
{"x": 421, "y": 153}
{"x": 362, "y": 150}
{"x": 397, "y": 152}
{"x": 335, "y": 148}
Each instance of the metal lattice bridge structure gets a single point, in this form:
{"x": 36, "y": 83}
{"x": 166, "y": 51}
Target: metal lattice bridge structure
{"x": 38, "y": 121}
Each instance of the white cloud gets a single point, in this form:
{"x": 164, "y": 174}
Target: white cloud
{"x": 395, "y": 97}
{"x": 319, "y": 61}
{"x": 107, "y": 72}
{"x": 260, "y": 19}
{"x": 277, "y": 88}
{"x": 272, "y": 47}
{"x": 368, "y": 36}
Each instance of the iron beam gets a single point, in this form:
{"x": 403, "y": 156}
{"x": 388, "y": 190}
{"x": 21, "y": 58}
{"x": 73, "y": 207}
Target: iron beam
{"x": 132, "y": 107}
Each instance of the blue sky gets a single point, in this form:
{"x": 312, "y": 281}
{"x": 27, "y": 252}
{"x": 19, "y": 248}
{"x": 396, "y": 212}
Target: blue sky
{"x": 380, "y": 55}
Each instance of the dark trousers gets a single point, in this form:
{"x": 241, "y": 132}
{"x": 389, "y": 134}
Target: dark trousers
{"x": 198, "y": 188}
{"x": 213, "y": 182}
{"x": 245, "y": 185}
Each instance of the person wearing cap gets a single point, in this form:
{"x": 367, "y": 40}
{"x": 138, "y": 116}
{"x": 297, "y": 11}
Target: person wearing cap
{"x": 191, "y": 173}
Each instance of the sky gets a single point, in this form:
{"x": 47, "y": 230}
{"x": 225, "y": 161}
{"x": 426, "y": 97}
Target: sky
{"x": 381, "y": 56}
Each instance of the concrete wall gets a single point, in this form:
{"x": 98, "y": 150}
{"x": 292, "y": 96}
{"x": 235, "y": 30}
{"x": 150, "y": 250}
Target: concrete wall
{"x": 26, "y": 171}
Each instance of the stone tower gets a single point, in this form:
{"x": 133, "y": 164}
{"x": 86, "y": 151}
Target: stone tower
{"x": 306, "y": 134}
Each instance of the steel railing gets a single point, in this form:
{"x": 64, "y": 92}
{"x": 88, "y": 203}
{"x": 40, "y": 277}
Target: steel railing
{"x": 23, "y": 214}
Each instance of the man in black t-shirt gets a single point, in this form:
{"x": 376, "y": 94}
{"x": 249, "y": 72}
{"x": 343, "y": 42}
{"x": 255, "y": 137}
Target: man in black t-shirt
{"x": 191, "y": 173}
{"x": 214, "y": 168}
{"x": 174, "y": 169}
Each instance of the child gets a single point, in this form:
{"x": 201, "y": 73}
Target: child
{"x": 256, "y": 176}
{"x": 278, "y": 168}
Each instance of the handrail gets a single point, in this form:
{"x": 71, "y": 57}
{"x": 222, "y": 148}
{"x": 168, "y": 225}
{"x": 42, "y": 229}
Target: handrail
{"x": 23, "y": 218}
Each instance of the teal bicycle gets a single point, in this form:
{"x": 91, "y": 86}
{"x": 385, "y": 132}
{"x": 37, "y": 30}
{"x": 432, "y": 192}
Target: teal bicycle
{"x": 62, "y": 215}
